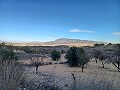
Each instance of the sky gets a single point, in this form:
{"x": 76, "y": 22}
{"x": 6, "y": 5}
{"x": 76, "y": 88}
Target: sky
{"x": 48, "y": 20}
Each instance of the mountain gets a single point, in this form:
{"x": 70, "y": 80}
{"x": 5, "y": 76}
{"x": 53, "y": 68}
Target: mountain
{"x": 61, "y": 41}
{"x": 72, "y": 42}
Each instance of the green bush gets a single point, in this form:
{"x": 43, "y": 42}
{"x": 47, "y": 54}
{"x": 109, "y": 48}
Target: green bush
{"x": 55, "y": 55}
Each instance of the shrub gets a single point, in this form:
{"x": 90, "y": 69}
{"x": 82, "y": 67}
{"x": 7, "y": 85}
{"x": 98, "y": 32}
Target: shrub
{"x": 62, "y": 51}
{"x": 72, "y": 57}
{"x": 98, "y": 44}
{"x": 11, "y": 72}
{"x": 55, "y": 55}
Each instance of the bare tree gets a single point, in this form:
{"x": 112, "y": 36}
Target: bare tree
{"x": 37, "y": 63}
{"x": 96, "y": 54}
{"x": 103, "y": 57}
{"x": 116, "y": 61}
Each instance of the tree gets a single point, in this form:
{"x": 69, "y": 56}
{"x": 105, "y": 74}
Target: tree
{"x": 72, "y": 57}
{"x": 37, "y": 63}
{"x": 117, "y": 46}
{"x": 96, "y": 54}
{"x": 55, "y": 55}
{"x": 83, "y": 57}
{"x": 116, "y": 58}
{"x": 62, "y": 51}
{"x": 103, "y": 58}
{"x": 2, "y": 44}
{"x": 109, "y": 43}
{"x": 77, "y": 56}
{"x": 97, "y": 45}
{"x": 27, "y": 49}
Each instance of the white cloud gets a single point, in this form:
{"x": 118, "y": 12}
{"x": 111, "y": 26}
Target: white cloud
{"x": 116, "y": 33}
{"x": 78, "y": 30}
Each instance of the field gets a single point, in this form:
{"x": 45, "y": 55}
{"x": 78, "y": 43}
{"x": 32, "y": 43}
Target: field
{"x": 60, "y": 75}
{"x": 57, "y": 75}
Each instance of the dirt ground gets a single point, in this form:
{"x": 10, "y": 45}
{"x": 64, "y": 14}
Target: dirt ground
{"x": 61, "y": 74}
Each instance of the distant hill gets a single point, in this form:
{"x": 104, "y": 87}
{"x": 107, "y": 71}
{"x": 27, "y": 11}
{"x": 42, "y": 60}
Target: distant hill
{"x": 72, "y": 42}
{"x": 61, "y": 41}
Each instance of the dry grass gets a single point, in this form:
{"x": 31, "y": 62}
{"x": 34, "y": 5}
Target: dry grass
{"x": 59, "y": 75}
{"x": 10, "y": 75}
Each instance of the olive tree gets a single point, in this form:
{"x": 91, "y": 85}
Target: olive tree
{"x": 83, "y": 57}
{"x": 103, "y": 57}
{"x": 96, "y": 54}
{"x": 72, "y": 57}
{"x": 116, "y": 59}
{"x": 77, "y": 57}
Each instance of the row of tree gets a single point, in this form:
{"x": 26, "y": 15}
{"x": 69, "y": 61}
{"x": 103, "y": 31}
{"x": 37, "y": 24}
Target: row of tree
{"x": 108, "y": 57}
{"x": 78, "y": 57}
{"x": 75, "y": 57}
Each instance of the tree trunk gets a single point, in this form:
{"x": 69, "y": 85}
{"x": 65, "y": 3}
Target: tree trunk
{"x": 82, "y": 67}
{"x": 96, "y": 60}
{"x": 118, "y": 66}
{"x": 36, "y": 69}
{"x": 103, "y": 64}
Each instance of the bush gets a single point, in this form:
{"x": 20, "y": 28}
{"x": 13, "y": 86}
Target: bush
{"x": 11, "y": 72}
{"x": 72, "y": 57}
{"x": 27, "y": 49}
{"x": 62, "y": 51}
{"x": 55, "y": 55}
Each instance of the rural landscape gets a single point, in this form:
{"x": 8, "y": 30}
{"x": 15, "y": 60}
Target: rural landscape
{"x": 60, "y": 67}
{"x": 59, "y": 44}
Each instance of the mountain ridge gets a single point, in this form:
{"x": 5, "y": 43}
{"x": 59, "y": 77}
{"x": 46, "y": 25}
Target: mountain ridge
{"x": 60, "y": 41}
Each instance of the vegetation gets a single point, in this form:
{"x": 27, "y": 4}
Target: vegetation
{"x": 96, "y": 54}
{"x": 98, "y": 44}
{"x": 63, "y": 51}
{"x": 72, "y": 57}
{"x": 103, "y": 58}
{"x": 116, "y": 60}
{"x": 27, "y": 49}
{"x": 77, "y": 56}
{"x": 37, "y": 63}
{"x": 83, "y": 57}
{"x": 55, "y": 55}
{"x": 11, "y": 72}
{"x": 109, "y": 43}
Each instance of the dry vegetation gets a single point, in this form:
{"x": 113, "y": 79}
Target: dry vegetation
{"x": 57, "y": 75}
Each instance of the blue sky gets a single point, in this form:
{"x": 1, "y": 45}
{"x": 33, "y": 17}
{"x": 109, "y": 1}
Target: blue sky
{"x": 47, "y": 20}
